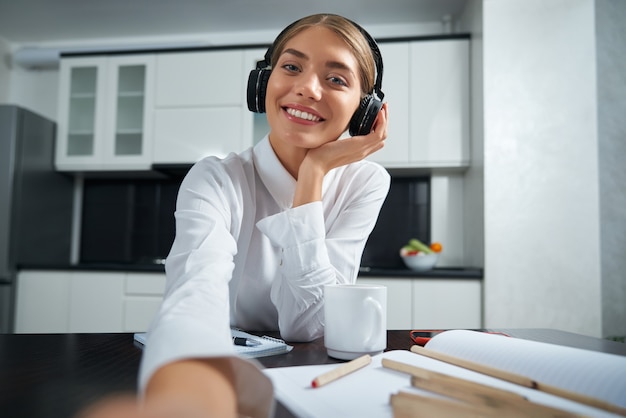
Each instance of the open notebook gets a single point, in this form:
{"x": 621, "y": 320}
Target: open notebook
{"x": 366, "y": 392}
{"x": 268, "y": 346}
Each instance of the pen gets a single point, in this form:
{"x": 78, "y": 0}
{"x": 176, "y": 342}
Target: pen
{"x": 246, "y": 342}
{"x": 341, "y": 371}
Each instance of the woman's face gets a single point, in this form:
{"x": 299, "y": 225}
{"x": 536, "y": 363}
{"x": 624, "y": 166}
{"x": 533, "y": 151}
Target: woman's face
{"x": 313, "y": 90}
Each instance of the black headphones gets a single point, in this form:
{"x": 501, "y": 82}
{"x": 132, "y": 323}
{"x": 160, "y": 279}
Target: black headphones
{"x": 364, "y": 117}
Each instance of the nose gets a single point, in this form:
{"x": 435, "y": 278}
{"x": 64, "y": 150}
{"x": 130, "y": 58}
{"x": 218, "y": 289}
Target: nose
{"x": 308, "y": 85}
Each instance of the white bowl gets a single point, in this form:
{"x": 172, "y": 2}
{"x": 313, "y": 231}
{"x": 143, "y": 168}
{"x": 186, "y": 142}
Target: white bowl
{"x": 420, "y": 261}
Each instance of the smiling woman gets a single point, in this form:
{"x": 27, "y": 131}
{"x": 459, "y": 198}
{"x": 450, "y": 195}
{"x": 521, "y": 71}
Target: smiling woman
{"x": 260, "y": 233}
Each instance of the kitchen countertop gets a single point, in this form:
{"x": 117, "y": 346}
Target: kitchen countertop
{"x": 443, "y": 272}
{"x": 438, "y": 272}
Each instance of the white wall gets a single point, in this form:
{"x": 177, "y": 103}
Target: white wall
{"x": 611, "y": 69}
{"x": 36, "y": 90}
{"x": 542, "y": 231}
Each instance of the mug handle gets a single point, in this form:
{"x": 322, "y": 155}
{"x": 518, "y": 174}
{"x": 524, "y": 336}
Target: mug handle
{"x": 378, "y": 328}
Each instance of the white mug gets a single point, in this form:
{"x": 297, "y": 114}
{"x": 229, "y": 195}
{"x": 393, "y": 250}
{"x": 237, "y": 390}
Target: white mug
{"x": 355, "y": 320}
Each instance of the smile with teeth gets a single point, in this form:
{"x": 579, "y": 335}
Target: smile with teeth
{"x": 302, "y": 115}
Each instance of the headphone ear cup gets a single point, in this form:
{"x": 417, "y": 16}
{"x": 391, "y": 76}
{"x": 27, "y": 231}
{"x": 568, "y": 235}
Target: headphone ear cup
{"x": 363, "y": 119}
{"x": 257, "y": 86}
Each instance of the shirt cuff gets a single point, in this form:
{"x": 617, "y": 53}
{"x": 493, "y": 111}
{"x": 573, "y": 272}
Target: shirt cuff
{"x": 300, "y": 233}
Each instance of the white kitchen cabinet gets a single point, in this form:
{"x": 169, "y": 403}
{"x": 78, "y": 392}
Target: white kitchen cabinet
{"x": 399, "y": 302}
{"x": 447, "y": 303}
{"x": 80, "y": 301}
{"x": 200, "y": 105}
{"x": 187, "y": 135}
{"x": 440, "y": 90}
{"x": 423, "y": 303}
{"x": 42, "y": 302}
{"x": 395, "y": 85}
{"x": 199, "y": 79}
{"x": 142, "y": 298}
{"x": 426, "y": 84}
{"x": 105, "y": 113}
{"x": 96, "y": 301}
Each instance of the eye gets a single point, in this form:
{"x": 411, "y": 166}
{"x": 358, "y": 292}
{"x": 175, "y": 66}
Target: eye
{"x": 338, "y": 81}
{"x": 291, "y": 67}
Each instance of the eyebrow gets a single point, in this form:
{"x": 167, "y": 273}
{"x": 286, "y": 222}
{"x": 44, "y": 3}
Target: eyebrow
{"x": 330, "y": 64}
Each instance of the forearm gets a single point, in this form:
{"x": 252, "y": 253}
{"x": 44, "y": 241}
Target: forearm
{"x": 309, "y": 184}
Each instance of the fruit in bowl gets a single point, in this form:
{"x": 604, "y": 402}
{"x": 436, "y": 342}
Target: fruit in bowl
{"x": 420, "y": 257}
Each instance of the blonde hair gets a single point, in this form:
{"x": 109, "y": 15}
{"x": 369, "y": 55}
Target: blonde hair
{"x": 347, "y": 31}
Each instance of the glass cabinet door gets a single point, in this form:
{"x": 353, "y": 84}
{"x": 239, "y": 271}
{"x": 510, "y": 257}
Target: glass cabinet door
{"x": 82, "y": 111}
{"x": 130, "y": 105}
{"x": 129, "y": 112}
{"x": 79, "y": 121}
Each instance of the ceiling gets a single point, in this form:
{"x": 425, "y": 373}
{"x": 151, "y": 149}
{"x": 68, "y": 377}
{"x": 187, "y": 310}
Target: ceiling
{"x": 32, "y": 22}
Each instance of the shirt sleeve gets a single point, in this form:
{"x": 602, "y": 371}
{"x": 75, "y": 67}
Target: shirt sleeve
{"x": 193, "y": 320}
{"x": 322, "y": 245}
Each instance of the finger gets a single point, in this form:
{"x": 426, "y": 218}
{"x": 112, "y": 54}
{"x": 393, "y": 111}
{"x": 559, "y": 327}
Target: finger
{"x": 380, "y": 125}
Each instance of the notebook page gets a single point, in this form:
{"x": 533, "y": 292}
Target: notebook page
{"x": 592, "y": 373}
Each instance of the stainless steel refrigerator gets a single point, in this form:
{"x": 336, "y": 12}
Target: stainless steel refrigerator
{"x": 35, "y": 203}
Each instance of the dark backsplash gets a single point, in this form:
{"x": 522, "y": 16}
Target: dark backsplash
{"x": 127, "y": 221}
{"x": 132, "y": 221}
{"x": 404, "y": 215}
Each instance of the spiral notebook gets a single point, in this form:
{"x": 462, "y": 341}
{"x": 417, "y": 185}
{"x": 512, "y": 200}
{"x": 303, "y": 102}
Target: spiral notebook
{"x": 268, "y": 346}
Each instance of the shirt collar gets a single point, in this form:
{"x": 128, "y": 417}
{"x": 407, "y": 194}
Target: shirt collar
{"x": 275, "y": 177}
{"x": 278, "y": 181}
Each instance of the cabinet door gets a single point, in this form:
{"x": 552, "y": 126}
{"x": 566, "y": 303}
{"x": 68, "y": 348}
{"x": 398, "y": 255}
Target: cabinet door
{"x": 200, "y": 106}
{"x": 399, "y": 306}
{"x": 200, "y": 79}
{"x": 42, "y": 302}
{"x": 439, "y": 122}
{"x": 80, "y": 138}
{"x": 188, "y": 135}
{"x": 396, "y": 88}
{"x": 96, "y": 302}
{"x": 128, "y": 113}
{"x": 144, "y": 293}
{"x": 447, "y": 304}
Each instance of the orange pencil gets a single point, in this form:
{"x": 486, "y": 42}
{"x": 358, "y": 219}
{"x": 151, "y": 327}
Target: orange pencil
{"x": 341, "y": 371}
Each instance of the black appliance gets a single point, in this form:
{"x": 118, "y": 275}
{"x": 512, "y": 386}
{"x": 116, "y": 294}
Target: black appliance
{"x": 35, "y": 202}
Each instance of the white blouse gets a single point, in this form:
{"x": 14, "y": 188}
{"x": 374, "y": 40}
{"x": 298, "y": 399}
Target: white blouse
{"x": 243, "y": 256}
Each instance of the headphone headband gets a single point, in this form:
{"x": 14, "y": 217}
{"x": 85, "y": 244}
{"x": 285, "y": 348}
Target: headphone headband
{"x": 266, "y": 63}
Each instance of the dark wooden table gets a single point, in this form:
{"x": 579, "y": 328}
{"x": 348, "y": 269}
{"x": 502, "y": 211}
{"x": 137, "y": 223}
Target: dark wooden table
{"x": 56, "y": 375}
